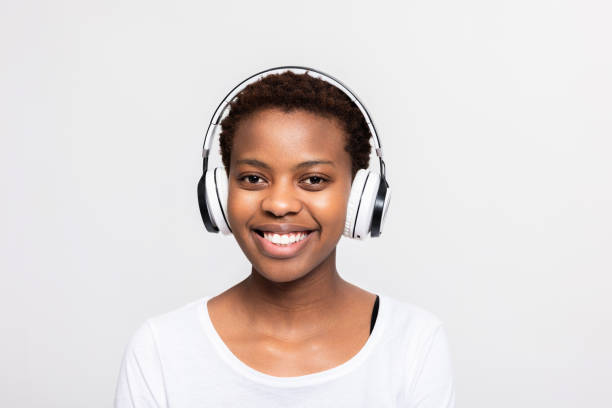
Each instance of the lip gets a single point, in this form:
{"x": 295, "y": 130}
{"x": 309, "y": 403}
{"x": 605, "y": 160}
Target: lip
{"x": 284, "y": 228}
{"x": 280, "y": 252}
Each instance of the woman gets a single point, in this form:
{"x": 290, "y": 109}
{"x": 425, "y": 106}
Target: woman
{"x": 294, "y": 332}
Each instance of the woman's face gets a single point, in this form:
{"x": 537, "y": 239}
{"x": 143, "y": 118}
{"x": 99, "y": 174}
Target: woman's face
{"x": 289, "y": 175}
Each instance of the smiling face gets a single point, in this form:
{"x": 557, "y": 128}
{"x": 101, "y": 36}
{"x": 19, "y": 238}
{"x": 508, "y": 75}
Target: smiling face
{"x": 292, "y": 169}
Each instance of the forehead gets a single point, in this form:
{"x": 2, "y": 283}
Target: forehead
{"x": 284, "y": 138}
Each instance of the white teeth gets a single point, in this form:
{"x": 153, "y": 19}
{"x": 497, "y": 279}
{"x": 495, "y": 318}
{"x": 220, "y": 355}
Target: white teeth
{"x": 285, "y": 239}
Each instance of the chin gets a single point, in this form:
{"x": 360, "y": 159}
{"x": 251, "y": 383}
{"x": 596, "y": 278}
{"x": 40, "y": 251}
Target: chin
{"x": 281, "y": 273}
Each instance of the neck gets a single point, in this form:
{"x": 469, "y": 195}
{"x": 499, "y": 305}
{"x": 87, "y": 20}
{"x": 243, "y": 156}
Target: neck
{"x": 296, "y": 309}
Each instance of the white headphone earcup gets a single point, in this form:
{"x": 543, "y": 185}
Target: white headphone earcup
{"x": 360, "y": 205}
{"x": 216, "y": 198}
{"x": 353, "y": 202}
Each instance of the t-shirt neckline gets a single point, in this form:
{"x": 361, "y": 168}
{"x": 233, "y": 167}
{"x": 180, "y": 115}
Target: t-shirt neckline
{"x": 295, "y": 381}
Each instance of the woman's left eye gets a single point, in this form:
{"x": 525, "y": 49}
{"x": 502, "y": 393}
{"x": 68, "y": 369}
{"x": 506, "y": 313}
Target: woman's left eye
{"x": 315, "y": 180}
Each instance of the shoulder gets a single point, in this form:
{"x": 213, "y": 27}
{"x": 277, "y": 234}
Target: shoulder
{"x": 178, "y": 316}
{"x": 427, "y": 356}
{"x": 141, "y": 379}
{"x": 146, "y": 338}
{"x": 413, "y": 329}
{"x": 405, "y": 316}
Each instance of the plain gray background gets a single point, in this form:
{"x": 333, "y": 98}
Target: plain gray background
{"x": 495, "y": 117}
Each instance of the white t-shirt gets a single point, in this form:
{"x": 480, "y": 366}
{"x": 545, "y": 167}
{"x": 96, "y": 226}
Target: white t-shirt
{"x": 178, "y": 360}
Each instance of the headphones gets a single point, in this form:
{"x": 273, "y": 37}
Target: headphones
{"x": 370, "y": 193}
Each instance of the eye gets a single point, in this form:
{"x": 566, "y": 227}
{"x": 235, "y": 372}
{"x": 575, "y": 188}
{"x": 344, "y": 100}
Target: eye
{"x": 250, "y": 179}
{"x": 315, "y": 180}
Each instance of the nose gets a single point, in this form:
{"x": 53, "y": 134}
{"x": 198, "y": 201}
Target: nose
{"x": 281, "y": 200}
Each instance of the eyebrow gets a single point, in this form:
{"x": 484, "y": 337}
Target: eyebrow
{"x": 308, "y": 163}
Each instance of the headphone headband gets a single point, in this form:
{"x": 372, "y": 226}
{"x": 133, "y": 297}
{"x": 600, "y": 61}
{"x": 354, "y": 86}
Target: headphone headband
{"x": 225, "y": 103}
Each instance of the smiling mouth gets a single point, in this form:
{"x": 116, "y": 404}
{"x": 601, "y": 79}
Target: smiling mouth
{"x": 285, "y": 239}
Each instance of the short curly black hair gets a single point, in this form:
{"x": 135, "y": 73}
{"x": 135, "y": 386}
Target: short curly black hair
{"x": 289, "y": 91}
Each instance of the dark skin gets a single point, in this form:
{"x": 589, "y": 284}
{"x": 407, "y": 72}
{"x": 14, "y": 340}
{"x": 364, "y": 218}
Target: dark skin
{"x": 292, "y": 316}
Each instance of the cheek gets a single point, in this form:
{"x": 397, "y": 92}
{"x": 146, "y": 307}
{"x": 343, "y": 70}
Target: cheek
{"x": 240, "y": 206}
{"x": 330, "y": 209}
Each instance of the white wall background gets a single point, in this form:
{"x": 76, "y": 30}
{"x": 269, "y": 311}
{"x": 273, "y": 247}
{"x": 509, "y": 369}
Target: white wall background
{"x": 495, "y": 116}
